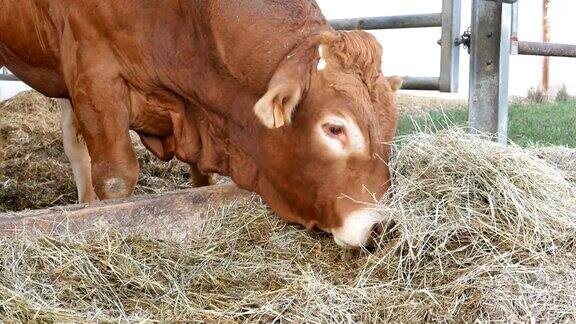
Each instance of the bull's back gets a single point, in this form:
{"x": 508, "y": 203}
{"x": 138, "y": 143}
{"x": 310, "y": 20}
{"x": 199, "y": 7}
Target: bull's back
{"x": 30, "y": 43}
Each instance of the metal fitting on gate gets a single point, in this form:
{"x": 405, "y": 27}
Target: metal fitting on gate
{"x": 465, "y": 39}
{"x": 504, "y": 1}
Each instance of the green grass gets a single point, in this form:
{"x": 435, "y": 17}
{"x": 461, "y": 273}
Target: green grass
{"x": 546, "y": 124}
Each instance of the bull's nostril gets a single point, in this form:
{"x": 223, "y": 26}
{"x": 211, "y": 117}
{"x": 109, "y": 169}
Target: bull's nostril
{"x": 377, "y": 230}
{"x": 382, "y": 231}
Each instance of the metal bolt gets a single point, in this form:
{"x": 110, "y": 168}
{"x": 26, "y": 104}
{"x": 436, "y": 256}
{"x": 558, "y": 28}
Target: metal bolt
{"x": 489, "y": 34}
{"x": 489, "y": 62}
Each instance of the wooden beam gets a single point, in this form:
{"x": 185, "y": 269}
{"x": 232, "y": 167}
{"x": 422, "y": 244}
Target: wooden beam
{"x": 173, "y": 216}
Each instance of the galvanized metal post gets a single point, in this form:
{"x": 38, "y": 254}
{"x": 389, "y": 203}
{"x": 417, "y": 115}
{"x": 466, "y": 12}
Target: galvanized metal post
{"x": 450, "y": 55}
{"x": 489, "y": 68}
{"x": 514, "y": 37}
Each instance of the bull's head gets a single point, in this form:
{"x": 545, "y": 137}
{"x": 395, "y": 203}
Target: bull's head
{"x": 329, "y": 117}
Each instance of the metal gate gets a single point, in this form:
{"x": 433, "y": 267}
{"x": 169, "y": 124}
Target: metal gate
{"x": 492, "y": 38}
{"x": 448, "y": 19}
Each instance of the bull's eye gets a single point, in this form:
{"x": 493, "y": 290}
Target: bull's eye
{"x": 341, "y": 135}
{"x": 334, "y": 130}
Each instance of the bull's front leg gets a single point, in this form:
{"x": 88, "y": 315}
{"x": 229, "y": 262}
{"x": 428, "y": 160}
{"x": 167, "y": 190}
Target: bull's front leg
{"x": 101, "y": 105}
{"x": 105, "y": 127}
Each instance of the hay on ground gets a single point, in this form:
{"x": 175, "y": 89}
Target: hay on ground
{"x": 483, "y": 233}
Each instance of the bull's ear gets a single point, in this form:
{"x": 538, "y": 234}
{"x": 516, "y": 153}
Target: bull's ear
{"x": 275, "y": 108}
{"x": 290, "y": 81}
{"x": 395, "y": 82}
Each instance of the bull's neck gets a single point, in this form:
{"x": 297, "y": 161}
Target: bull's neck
{"x": 241, "y": 46}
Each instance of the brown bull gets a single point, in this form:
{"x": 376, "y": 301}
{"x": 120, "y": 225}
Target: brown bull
{"x": 261, "y": 90}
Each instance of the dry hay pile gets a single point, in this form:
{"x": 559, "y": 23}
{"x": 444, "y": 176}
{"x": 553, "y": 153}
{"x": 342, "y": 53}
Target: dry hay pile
{"x": 483, "y": 232}
{"x": 561, "y": 157}
{"x": 36, "y": 173}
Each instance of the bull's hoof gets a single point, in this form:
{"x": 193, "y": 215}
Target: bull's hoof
{"x": 200, "y": 179}
{"x": 203, "y": 180}
{"x": 87, "y": 197}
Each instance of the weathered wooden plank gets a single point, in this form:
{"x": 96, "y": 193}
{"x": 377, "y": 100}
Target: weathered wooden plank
{"x": 173, "y": 216}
